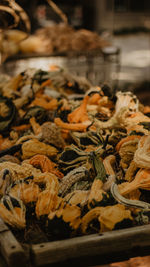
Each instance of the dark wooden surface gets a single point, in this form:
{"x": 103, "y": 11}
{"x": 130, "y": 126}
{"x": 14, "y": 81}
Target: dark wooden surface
{"x": 94, "y": 249}
{"x": 105, "y": 250}
{"x": 10, "y": 248}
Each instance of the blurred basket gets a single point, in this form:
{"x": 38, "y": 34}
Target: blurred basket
{"x": 98, "y": 66}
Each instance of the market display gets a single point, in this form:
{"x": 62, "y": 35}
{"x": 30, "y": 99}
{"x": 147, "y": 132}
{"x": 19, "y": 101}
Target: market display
{"x": 74, "y": 159}
{"x": 16, "y": 37}
{"x": 53, "y": 39}
{"x": 64, "y": 38}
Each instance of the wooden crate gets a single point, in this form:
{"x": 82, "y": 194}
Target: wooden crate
{"x": 10, "y": 248}
{"x": 89, "y": 250}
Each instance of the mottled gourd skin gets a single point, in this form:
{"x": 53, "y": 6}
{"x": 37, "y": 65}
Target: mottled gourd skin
{"x": 13, "y": 211}
{"x": 76, "y": 175}
{"x": 7, "y": 115}
{"x": 107, "y": 218}
{"x": 65, "y": 220}
{"x": 97, "y": 195}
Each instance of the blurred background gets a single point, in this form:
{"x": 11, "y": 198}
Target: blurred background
{"x": 122, "y": 58}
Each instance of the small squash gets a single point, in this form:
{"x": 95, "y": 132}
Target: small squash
{"x": 64, "y": 221}
{"x": 32, "y": 147}
{"x": 13, "y": 211}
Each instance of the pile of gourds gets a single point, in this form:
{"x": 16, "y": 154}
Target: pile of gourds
{"x": 74, "y": 158}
